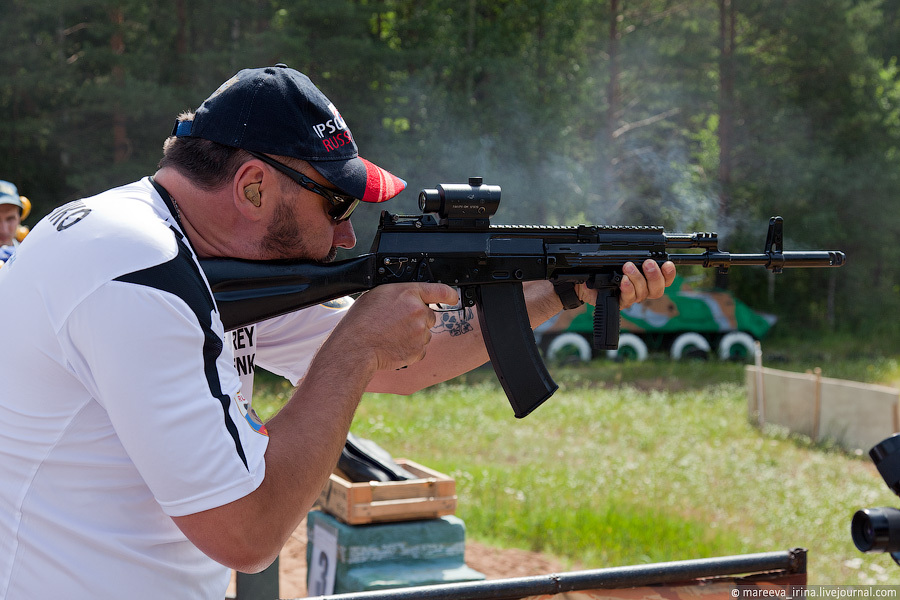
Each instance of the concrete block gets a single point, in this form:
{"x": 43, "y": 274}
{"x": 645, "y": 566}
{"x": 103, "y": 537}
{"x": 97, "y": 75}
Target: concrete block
{"x": 391, "y": 555}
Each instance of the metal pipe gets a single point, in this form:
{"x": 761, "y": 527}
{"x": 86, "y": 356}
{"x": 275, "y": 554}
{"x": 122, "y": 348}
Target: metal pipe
{"x": 788, "y": 562}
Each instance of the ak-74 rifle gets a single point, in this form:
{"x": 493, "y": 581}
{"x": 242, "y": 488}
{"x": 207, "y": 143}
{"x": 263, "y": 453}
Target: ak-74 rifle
{"x": 453, "y": 242}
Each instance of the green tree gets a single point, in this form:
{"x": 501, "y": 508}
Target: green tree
{"x": 816, "y": 146}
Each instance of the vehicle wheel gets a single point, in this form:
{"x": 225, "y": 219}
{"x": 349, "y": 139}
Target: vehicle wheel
{"x": 568, "y": 347}
{"x": 631, "y": 347}
{"x": 737, "y": 345}
{"x": 690, "y": 345}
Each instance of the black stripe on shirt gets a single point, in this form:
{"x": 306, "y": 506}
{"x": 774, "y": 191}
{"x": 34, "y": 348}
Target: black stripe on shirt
{"x": 181, "y": 276}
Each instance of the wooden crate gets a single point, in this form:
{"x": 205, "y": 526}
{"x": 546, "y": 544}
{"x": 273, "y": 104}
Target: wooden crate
{"x": 431, "y": 496}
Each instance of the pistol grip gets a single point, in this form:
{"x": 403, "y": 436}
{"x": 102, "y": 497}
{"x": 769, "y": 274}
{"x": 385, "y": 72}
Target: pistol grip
{"x": 510, "y": 343}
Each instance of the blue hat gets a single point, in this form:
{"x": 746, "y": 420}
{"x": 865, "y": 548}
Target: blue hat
{"x": 9, "y": 194}
{"x": 277, "y": 110}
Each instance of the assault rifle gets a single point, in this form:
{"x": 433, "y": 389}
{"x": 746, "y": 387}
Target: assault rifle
{"x": 453, "y": 242}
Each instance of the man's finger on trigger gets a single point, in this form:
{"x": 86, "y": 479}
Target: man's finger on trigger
{"x": 438, "y": 293}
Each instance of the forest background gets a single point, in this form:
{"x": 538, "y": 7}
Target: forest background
{"x": 691, "y": 114}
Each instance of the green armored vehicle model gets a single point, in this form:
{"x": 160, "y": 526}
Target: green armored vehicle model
{"x": 684, "y": 322}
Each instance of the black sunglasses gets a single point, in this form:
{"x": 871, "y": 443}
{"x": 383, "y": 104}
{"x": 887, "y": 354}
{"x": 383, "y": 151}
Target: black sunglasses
{"x": 341, "y": 205}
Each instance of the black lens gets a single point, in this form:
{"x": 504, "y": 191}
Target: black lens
{"x": 341, "y": 210}
{"x": 876, "y": 530}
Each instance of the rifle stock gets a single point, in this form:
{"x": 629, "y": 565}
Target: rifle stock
{"x": 248, "y": 292}
{"x": 488, "y": 263}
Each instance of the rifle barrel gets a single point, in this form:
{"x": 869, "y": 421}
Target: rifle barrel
{"x": 771, "y": 260}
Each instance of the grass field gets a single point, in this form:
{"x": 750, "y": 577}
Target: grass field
{"x": 630, "y": 464}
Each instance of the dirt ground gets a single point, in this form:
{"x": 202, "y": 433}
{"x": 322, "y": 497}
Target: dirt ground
{"x": 493, "y": 562}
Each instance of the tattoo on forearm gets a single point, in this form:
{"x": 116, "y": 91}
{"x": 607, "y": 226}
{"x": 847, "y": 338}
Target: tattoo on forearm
{"x": 454, "y": 322}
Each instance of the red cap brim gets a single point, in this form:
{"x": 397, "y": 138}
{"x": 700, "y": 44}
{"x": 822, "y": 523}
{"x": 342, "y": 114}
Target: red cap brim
{"x": 380, "y": 184}
{"x": 361, "y": 179}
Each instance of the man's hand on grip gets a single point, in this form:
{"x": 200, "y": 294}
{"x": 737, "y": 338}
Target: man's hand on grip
{"x": 393, "y": 322}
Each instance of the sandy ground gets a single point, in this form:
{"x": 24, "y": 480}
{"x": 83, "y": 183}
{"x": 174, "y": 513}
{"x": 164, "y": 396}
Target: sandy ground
{"x": 493, "y": 562}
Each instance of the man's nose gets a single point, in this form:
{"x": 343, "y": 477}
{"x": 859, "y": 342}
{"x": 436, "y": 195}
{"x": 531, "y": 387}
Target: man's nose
{"x": 344, "y": 236}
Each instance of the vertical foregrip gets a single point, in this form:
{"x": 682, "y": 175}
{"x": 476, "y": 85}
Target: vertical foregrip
{"x": 510, "y": 344}
{"x": 606, "y": 320}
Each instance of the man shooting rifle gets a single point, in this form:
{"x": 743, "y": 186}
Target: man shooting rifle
{"x": 131, "y": 461}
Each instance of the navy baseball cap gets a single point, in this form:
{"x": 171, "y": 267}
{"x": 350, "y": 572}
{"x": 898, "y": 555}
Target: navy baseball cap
{"x": 278, "y": 110}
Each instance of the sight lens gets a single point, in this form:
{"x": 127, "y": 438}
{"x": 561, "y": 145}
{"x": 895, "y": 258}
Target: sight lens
{"x": 876, "y": 530}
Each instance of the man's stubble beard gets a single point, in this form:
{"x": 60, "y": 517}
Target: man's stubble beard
{"x": 284, "y": 240}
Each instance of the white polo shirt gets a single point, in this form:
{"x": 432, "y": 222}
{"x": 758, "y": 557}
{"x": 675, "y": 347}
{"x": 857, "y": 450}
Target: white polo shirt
{"x": 120, "y": 405}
